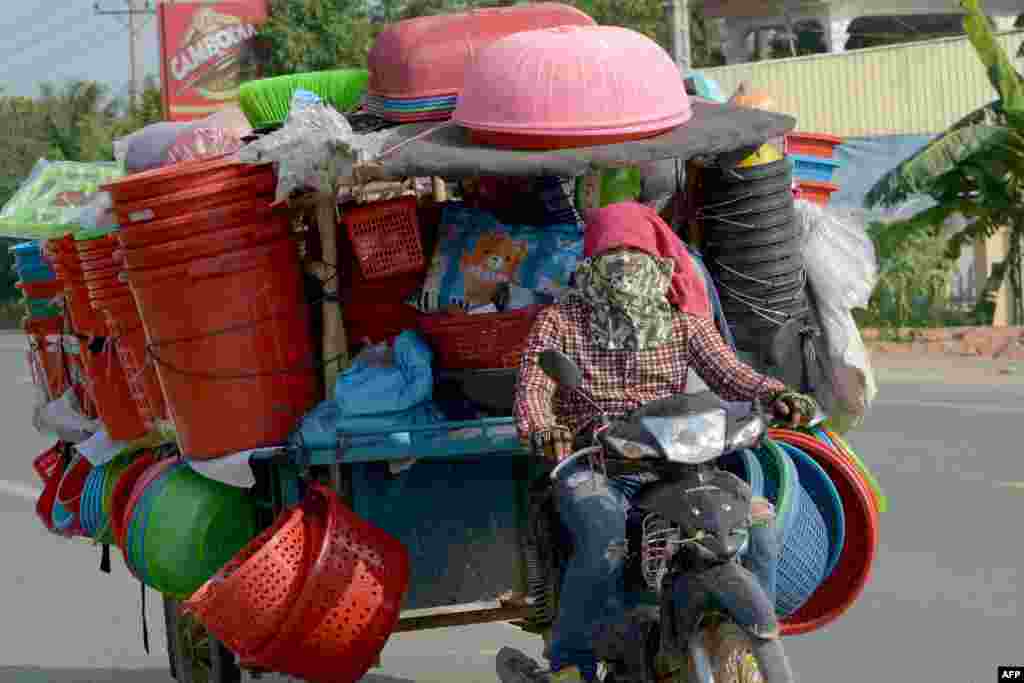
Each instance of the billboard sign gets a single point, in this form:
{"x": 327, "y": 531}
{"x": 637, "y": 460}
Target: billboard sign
{"x": 201, "y": 48}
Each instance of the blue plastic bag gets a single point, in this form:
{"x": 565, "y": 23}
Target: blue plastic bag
{"x": 373, "y": 387}
{"x": 320, "y": 427}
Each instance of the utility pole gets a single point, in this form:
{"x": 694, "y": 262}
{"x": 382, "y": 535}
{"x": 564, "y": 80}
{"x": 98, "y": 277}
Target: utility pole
{"x": 137, "y": 14}
{"x": 678, "y": 12}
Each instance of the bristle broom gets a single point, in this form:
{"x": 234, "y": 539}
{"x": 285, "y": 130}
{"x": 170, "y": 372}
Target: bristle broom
{"x": 266, "y": 102}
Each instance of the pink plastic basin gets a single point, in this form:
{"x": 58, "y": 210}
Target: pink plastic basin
{"x": 428, "y": 56}
{"x": 582, "y": 81}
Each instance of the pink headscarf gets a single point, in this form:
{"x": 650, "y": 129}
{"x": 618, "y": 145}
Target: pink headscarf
{"x": 636, "y": 226}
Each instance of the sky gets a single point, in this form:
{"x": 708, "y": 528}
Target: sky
{"x": 60, "y": 40}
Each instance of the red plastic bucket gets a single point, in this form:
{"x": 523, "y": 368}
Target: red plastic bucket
{"x": 231, "y": 343}
{"x": 179, "y": 227}
{"x": 44, "y": 504}
{"x": 198, "y": 199}
{"x": 201, "y": 246}
{"x": 41, "y": 290}
{"x": 178, "y": 178}
{"x": 48, "y": 463}
{"x": 130, "y": 340}
{"x": 122, "y": 493}
{"x": 54, "y": 363}
{"x": 109, "y": 388}
{"x": 98, "y": 262}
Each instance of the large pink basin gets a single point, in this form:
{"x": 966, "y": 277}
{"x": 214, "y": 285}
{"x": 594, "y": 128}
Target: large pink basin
{"x": 573, "y": 81}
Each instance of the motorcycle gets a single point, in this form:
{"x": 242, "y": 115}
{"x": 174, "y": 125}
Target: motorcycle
{"x": 695, "y": 524}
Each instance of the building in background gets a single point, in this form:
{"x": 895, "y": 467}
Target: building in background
{"x": 755, "y": 29}
{"x": 887, "y": 103}
{"x": 202, "y": 44}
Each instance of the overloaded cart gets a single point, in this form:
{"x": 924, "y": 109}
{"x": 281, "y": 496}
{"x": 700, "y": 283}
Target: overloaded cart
{"x": 282, "y": 375}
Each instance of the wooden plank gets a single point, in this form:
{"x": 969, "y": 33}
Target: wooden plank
{"x": 460, "y": 615}
{"x": 335, "y": 345}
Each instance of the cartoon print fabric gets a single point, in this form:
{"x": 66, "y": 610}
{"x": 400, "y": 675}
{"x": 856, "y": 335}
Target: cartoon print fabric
{"x": 476, "y": 253}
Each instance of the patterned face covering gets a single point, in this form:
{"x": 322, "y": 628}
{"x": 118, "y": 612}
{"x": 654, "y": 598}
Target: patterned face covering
{"x": 627, "y": 291}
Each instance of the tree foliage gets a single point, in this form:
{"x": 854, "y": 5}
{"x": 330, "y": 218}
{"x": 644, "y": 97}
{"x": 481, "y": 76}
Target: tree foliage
{"x": 974, "y": 169}
{"x": 316, "y": 35}
{"x": 73, "y": 121}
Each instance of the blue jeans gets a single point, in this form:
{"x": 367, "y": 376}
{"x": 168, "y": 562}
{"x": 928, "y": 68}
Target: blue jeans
{"x": 594, "y": 510}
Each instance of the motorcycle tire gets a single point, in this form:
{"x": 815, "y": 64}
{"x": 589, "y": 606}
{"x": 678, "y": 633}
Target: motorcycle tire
{"x": 741, "y": 259}
{"x": 712, "y": 175}
{"x": 738, "y": 658}
{"x": 749, "y": 238}
{"x": 739, "y": 209}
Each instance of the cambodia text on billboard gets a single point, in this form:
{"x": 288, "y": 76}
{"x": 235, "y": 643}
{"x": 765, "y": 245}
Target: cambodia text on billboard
{"x": 201, "y": 47}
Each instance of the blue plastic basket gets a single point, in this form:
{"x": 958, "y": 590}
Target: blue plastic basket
{"x": 816, "y": 169}
{"x": 804, "y": 553}
{"x": 819, "y": 486}
{"x": 91, "y": 507}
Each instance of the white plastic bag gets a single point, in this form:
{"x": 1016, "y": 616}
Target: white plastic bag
{"x": 849, "y": 383}
{"x": 64, "y": 418}
{"x": 838, "y": 254}
{"x": 842, "y": 272}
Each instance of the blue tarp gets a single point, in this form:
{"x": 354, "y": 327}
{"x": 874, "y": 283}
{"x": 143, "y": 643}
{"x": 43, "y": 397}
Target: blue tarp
{"x": 864, "y": 161}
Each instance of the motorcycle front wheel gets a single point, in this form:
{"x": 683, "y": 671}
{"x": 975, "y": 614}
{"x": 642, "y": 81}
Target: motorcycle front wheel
{"x": 738, "y": 658}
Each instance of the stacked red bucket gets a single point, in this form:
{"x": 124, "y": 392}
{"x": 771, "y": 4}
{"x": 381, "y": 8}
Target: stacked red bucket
{"x": 215, "y": 273}
{"x": 106, "y": 381}
{"x": 110, "y": 296}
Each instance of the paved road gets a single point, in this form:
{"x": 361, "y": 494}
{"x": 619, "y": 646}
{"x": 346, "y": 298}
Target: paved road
{"x": 942, "y": 605}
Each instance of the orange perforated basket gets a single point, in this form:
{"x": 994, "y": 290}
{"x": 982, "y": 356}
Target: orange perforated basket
{"x": 350, "y": 602}
{"x": 247, "y": 601}
{"x": 385, "y": 237}
{"x": 478, "y": 342}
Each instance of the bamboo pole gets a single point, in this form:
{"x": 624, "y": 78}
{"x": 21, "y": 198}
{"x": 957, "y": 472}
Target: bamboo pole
{"x": 335, "y": 345}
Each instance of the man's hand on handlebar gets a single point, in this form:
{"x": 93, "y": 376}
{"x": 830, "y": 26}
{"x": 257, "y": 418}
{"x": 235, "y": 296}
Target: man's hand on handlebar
{"x": 793, "y": 409}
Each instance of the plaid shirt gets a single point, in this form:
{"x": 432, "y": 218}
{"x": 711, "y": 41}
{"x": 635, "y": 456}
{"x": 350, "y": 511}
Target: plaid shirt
{"x": 621, "y": 381}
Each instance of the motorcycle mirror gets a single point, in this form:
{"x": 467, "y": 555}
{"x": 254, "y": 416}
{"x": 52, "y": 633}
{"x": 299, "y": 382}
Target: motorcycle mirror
{"x": 561, "y": 368}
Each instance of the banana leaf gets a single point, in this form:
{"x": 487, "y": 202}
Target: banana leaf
{"x": 920, "y": 173}
{"x": 1001, "y": 73}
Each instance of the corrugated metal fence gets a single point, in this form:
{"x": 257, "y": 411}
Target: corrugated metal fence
{"x": 917, "y": 88}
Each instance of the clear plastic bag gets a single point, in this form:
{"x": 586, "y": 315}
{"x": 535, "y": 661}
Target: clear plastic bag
{"x": 313, "y": 149}
{"x": 848, "y": 386}
{"x": 842, "y": 272}
{"x": 838, "y": 254}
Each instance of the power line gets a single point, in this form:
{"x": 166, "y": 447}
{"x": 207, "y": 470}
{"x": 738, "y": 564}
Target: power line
{"x": 137, "y": 15}
{"x": 47, "y": 30}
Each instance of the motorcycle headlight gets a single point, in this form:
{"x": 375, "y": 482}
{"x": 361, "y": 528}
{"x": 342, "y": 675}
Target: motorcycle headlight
{"x": 747, "y": 434}
{"x": 692, "y": 439}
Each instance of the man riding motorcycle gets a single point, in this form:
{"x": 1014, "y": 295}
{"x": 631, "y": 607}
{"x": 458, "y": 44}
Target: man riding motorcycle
{"x": 637, "y": 318}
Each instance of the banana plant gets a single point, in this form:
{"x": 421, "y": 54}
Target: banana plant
{"x": 974, "y": 169}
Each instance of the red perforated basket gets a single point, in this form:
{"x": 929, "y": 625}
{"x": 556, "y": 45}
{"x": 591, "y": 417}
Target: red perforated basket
{"x": 247, "y": 601}
{"x": 478, "y": 342}
{"x": 350, "y": 602}
{"x": 385, "y": 237}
